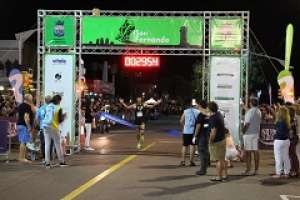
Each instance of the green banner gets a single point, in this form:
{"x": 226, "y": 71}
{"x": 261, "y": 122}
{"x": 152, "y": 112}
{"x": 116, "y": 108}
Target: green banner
{"x": 139, "y": 31}
{"x": 59, "y": 31}
{"x": 226, "y": 33}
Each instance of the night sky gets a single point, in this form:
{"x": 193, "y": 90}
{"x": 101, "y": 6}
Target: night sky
{"x": 268, "y": 20}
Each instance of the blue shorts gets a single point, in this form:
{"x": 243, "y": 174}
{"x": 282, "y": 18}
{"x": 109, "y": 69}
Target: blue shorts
{"x": 23, "y": 134}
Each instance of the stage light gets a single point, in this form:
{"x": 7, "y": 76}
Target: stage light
{"x": 96, "y": 12}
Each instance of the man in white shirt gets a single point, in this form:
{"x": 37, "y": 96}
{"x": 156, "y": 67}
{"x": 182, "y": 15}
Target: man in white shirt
{"x": 251, "y": 131}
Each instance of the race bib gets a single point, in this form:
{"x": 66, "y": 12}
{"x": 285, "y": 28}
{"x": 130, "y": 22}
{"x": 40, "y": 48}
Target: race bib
{"x": 139, "y": 114}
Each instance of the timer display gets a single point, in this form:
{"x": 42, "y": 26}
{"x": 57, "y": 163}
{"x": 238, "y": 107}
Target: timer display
{"x": 141, "y": 61}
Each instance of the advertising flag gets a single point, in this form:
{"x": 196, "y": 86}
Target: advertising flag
{"x": 16, "y": 81}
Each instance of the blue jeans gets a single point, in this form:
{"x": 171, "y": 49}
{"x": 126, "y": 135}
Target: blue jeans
{"x": 23, "y": 134}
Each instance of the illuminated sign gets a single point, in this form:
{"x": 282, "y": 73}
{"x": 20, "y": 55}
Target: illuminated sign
{"x": 59, "y": 31}
{"x": 177, "y": 31}
{"x": 141, "y": 61}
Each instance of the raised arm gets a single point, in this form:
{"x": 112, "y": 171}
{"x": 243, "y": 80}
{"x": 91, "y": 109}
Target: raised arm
{"x": 152, "y": 106}
{"x": 126, "y": 106}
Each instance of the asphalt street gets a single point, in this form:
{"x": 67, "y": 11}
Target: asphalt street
{"x": 116, "y": 170}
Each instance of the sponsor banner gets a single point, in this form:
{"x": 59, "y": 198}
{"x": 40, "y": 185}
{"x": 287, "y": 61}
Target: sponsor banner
{"x": 59, "y": 76}
{"x": 59, "y": 31}
{"x": 139, "y": 31}
{"x": 225, "y": 90}
{"x": 267, "y": 132}
{"x": 4, "y": 126}
{"x": 226, "y": 33}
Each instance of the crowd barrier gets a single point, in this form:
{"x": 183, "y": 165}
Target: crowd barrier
{"x": 267, "y": 132}
{"x": 7, "y": 127}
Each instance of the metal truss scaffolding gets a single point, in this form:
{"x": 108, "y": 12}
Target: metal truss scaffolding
{"x": 205, "y": 51}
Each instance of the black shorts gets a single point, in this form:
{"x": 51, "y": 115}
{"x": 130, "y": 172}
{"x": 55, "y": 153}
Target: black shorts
{"x": 187, "y": 139}
{"x": 139, "y": 121}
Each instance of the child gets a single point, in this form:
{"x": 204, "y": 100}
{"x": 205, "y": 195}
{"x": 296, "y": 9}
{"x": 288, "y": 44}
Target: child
{"x": 231, "y": 151}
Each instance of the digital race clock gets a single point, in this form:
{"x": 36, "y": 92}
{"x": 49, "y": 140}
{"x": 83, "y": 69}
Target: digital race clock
{"x": 132, "y": 61}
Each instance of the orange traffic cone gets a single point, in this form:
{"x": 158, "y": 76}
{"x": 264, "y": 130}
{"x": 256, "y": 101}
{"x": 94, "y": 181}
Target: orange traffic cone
{"x": 82, "y": 137}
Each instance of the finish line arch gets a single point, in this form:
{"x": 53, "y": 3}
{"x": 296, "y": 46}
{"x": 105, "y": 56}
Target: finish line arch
{"x": 221, "y": 38}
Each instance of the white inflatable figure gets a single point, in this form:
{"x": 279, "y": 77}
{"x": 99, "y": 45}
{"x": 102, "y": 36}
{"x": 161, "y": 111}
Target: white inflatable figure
{"x": 286, "y": 82}
{"x": 285, "y": 78}
{"x": 16, "y": 80}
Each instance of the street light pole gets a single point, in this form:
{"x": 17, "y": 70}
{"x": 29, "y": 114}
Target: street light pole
{"x": 280, "y": 61}
{"x": 20, "y": 47}
{"x": 21, "y": 38}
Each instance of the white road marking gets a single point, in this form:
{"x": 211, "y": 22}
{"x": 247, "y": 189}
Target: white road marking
{"x": 169, "y": 142}
{"x": 288, "y": 197}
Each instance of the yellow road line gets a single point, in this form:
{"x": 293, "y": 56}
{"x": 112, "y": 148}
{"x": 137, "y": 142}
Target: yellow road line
{"x": 101, "y": 176}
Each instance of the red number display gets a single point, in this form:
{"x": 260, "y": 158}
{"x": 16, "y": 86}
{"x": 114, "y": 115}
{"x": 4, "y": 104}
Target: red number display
{"x": 141, "y": 61}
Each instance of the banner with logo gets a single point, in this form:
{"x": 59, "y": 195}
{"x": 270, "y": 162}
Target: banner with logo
{"x": 59, "y": 75}
{"x": 139, "y": 31}
{"x": 225, "y": 90}
{"x": 226, "y": 33}
{"x": 59, "y": 31}
{"x": 267, "y": 132}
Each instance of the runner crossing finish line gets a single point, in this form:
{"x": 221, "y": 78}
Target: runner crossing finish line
{"x": 139, "y": 111}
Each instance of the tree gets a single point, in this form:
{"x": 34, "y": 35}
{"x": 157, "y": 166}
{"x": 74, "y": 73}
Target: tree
{"x": 256, "y": 75}
{"x": 197, "y": 79}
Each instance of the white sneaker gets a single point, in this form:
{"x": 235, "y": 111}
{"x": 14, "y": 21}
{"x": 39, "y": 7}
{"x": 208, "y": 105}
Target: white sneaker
{"x": 63, "y": 164}
{"x": 89, "y": 149}
{"x": 47, "y": 166}
{"x": 31, "y": 146}
{"x": 139, "y": 146}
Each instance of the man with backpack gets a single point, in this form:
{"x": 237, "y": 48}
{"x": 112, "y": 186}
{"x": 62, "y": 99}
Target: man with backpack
{"x": 53, "y": 117}
{"x": 188, "y": 122}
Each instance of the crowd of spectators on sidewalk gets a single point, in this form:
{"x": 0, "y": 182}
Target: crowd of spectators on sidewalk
{"x": 8, "y": 106}
{"x": 285, "y": 117}
{"x": 286, "y": 147}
